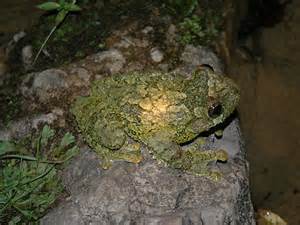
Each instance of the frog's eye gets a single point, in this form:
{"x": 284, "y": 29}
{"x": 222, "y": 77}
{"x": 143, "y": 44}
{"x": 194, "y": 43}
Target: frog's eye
{"x": 215, "y": 110}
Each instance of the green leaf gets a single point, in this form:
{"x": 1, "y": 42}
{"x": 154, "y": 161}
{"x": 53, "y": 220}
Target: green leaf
{"x": 15, "y": 220}
{"x": 71, "y": 7}
{"x": 60, "y": 17}
{"x": 28, "y": 187}
{"x": 7, "y": 147}
{"x": 49, "y": 6}
{"x": 46, "y": 134}
{"x": 27, "y": 213}
{"x": 191, "y": 7}
{"x": 71, "y": 153}
{"x": 67, "y": 140}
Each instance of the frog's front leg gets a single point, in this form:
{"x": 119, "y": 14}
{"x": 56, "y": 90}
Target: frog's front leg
{"x": 196, "y": 162}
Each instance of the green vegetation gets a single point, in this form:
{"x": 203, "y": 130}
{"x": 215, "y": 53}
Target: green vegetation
{"x": 10, "y": 107}
{"x": 29, "y": 182}
{"x": 199, "y": 22}
{"x": 63, "y": 8}
{"x": 202, "y": 29}
{"x": 181, "y": 7}
{"x": 78, "y": 35}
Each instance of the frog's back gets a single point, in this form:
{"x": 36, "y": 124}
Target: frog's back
{"x": 116, "y": 89}
{"x": 152, "y": 102}
{"x": 142, "y": 102}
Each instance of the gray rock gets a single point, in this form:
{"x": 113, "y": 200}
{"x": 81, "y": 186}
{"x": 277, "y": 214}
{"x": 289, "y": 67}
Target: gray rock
{"x": 193, "y": 56}
{"x": 150, "y": 194}
{"x": 49, "y": 79}
{"x": 45, "y": 85}
{"x": 147, "y": 30}
{"x": 172, "y": 36}
{"x": 27, "y": 57}
{"x": 16, "y": 38}
{"x": 110, "y": 61}
{"x": 24, "y": 126}
{"x": 78, "y": 76}
{"x": 72, "y": 212}
{"x": 126, "y": 42}
{"x": 156, "y": 55}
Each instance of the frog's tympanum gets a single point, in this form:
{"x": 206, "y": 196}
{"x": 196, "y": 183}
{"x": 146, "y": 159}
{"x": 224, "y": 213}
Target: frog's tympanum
{"x": 160, "y": 110}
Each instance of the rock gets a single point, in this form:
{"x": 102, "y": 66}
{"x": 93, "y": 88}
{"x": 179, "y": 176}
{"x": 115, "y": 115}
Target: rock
{"x": 172, "y": 36}
{"x": 126, "y": 42}
{"x": 156, "y": 55}
{"x": 193, "y": 56}
{"x": 16, "y": 130}
{"x": 45, "y": 85}
{"x": 24, "y": 126}
{"x": 49, "y": 80}
{"x": 110, "y": 61}
{"x": 27, "y": 57}
{"x": 5, "y": 52}
{"x": 74, "y": 216}
{"x": 16, "y": 38}
{"x": 79, "y": 76}
{"x": 150, "y": 194}
{"x": 147, "y": 30}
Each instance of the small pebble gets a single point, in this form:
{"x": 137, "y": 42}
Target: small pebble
{"x": 156, "y": 55}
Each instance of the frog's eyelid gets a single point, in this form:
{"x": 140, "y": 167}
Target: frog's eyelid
{"x": 205, "y": 67}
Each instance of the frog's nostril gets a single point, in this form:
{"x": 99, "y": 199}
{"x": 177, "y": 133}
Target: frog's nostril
{"x": 215, "y": 110}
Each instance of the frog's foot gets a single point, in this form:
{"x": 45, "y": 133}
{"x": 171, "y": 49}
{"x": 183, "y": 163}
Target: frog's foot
{"x": 106, "y": 163}
{"x": 221, "y": 155}
{"x": 129, "y": 153}
{"x": 196, "y": 162}
{"x": 213, "y": 175}
{"x": 206, "y": 156}
{"x": 219, "y": 133}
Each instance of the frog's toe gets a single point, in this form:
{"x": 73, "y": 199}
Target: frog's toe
{"x": 106, "y": 163}
{"x": 133, "y": 158}
{"x": 222, "y": 155}
{"x": 214, "y": 175}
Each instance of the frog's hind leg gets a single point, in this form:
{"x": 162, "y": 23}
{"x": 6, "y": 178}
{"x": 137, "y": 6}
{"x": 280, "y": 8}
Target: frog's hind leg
{"x": 129, "y": 153}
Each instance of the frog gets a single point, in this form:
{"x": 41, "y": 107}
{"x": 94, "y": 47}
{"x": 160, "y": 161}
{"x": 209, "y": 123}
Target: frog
{"x": 162, "y": 111}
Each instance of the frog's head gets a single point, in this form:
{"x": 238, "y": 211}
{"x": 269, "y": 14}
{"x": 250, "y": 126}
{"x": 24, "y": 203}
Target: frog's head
{"x": 219, "y": 97}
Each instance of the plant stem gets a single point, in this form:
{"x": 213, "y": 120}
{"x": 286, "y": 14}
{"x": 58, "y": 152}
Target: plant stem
{"x": 43, "y": 45}
{"x": 30, "y": 158}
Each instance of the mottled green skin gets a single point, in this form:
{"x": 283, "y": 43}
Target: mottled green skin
{"x": 161, "y": 110}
